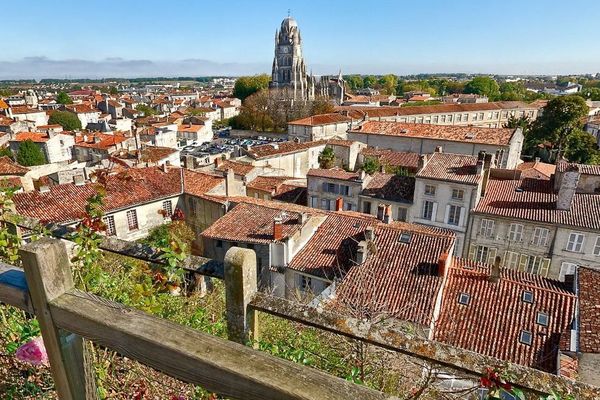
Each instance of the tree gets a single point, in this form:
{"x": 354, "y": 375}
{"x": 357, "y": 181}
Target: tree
{"x": 63, "y": 98}
{"x": 562, "y": 116}
{"x": 246, "y": 86}
{"x": 483, "y": 85}
{"x": 354, "y": 81}
{"x": 113, "y": 90}
{"x": 371, "y": 165}
{"x": 581, "y": 147}
{"x": 30, "y": 154}
{"x": 5, "y": 152}
{"x": 327, "y": 158}
{"x": 67, "y": 120}
{"x": 512, "y": 91}
{"x": 369, "y": 81}
{"x": 388, "y": 83}
{"x": 321, "y": 105}
{"x": 146, "y": 109}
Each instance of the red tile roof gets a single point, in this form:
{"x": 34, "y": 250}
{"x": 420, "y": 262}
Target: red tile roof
{"x": 451, "y": 168}
{"x": 249, "y": 223}
{"x": 269, "y": 184}
{"x": 81, "y": 109}
{"x": 66, "y": 203}
{"x": 24, "y": 110}
{"x": 391, "y": 187}
{"x": 156, "y": 153}
{"x": 282, "y": 188}
{"x": 468, "y": 134}
{"x": 334, "y": 173}
{"x": 321, "y": 119}
{"x": 98, "y": 140}
{"x": 38, "y": 137}
{"x": 536, "y": 170}
{"x": 281, "y": 148}
{"x": 585, "y": 169}
{"x": 393, "y": 158}
{"x": 535, "y": 200}
{"x": 199, "y": 183}
{"x": 399, "y": 279}
{"x": 238, "y": 167}
{"x": 9, "y": 167}
{"x": 492, "y": 322}
{"x": 589, "y": 310}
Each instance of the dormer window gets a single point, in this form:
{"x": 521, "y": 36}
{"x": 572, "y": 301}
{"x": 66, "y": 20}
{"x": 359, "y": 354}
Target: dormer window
{"x": 464, "y": 299}
{"x": 405, "y": 237}
{"x": 527, "y": 297}
{"x": 525, "y": 338}
{"x": 542, "y": 319}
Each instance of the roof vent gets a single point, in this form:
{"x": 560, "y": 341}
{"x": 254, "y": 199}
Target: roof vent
{"x": 403, "y": 130}
{"x": 470, "y": 135}
{"x": 405, "y": 237}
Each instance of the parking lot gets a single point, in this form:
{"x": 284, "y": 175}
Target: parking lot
{"x": 226, "y": 144}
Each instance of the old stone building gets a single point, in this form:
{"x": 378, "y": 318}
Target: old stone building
{"x": 289, "y": 70}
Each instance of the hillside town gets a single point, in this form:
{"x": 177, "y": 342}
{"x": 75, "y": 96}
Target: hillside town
{"x": 471, "y": 218}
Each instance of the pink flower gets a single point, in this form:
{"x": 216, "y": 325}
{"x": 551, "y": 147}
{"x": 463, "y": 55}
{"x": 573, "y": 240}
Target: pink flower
{"x": 33, "y": 352}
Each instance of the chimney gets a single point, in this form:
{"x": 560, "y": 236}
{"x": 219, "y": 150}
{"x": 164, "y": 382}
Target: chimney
{"x": 438, "y": 149}
{"x": 495, "y": 271}
{"x": 380, "y": 211}
{"x": 387, "y": 214}
{"x": 568, "y": 187}
{"x": 422, "y": 161}
{"x": 370, "y": 234}
{"x": 277, "y": 229}
{"x": 361, "y": 175}
{"x": 303, "y": 218}
{"x": 165, "y": 167}
{"x": 444, "y": 263}
{"x": 339, "y": 204}
{"x": 479, "y": 167}
{"x": 487, "y": 165}
{"x": 361, "y": 252}
{"x": 218, "y": 162}
{"x": 78, "y": 180}
{"x": 230, "y": 183}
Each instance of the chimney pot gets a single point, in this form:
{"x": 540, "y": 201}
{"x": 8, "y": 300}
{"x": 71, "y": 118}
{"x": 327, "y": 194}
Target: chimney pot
{"x": 277, "y": 229}
{"x": 495, "y": 271}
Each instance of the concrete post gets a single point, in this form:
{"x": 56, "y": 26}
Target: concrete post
{"x": 240, "y": 287}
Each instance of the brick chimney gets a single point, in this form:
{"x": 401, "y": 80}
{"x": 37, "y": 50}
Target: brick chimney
{"x": 495, "y": 271}
{"x": 568, "y": 187}
{"x": 387, "y": 214}
{"x": 277, "y": 229}
{"x": 444, "y": 263}
{"x": 339, "y": 204}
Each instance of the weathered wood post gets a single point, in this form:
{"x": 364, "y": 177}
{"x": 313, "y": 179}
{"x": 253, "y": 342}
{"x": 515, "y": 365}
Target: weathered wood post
{"x": 240, "y": 287}
{"x": 48, "y": 274}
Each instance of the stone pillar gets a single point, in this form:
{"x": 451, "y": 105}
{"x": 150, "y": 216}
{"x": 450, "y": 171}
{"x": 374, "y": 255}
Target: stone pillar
{"x": 240, "y": 287}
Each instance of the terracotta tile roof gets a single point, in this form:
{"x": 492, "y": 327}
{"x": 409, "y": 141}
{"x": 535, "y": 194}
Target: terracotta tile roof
{"x": 400, "y": 279}
{"x": 281, "y": 148}
{"x": 199, "y": 183}
{"x": 9, "y": 167}
{"x": 393, "y": 158}
{"x": 321, "y": 119}
{"x": 492, "y": 322}
{"x": 239, "y": 168}
{"x": 66, "y": 203}
{"x": 81, "y": 109}
{"x": 3, "y": 105}
{"x": 189, "y": 128}
{"x": 10, "y": 182}
{"x": 436, "y": 109}
{"x": 334, "y": 173}
{"x": 468, "y": 134}
{"x": 584, "y": 169}
{"x": 24, "y": 110}
{"x": 535, "y": 200}
{"x": 282, "y": 188}
{"x": 6, "y": 121}
{"x": 536, "y": 170}
{"x": 156, "y": 153}
{"x": 449, "y": 167}
{"x": 251, "y": 223}
{"x": 98, "y": 140}
{"x": 589, "y": 310}
{"x": 391, "y": 187}
{"x": 37, "y": 137}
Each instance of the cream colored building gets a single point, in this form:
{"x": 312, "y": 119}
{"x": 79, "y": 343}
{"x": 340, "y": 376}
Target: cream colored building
{"x": 319, "y": 127}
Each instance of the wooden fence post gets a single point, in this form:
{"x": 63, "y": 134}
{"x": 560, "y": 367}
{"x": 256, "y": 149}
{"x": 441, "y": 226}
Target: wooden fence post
{"x": 240, "y": 287}
{"x": 48, "y": 274}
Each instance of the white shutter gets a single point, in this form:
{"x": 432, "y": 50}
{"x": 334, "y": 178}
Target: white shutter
{"x": 434, "y": 211}
{"x": 462, "y": 216}
{"x": 447, "y": 213}
{"x": 472, "y": 252}
{"x": 492, "y": 255}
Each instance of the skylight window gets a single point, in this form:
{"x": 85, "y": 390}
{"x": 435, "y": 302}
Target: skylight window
{"x": 526, "y": 338}
{"x": 405, "y": 237}
{"x": 527, "y": 296}
{"x": 542, "y": 319}
{"x": 464, "y": 299}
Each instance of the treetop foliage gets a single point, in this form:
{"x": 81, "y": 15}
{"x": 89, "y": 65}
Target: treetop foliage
{"x": 245, "y": 86}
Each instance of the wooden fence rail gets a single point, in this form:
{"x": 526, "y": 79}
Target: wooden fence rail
{"x": 67, "y": 316}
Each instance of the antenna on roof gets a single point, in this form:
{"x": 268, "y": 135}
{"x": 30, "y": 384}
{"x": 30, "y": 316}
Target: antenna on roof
{"x": 289, "y": 12}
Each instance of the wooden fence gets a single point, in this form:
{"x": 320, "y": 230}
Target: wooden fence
{"x": 68, "y": 316}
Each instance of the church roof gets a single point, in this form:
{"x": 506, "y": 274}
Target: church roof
{"x": 288, "y": 23}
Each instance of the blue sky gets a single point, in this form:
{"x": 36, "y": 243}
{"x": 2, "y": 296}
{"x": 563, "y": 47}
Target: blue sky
{"x": 176, "y": 37}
